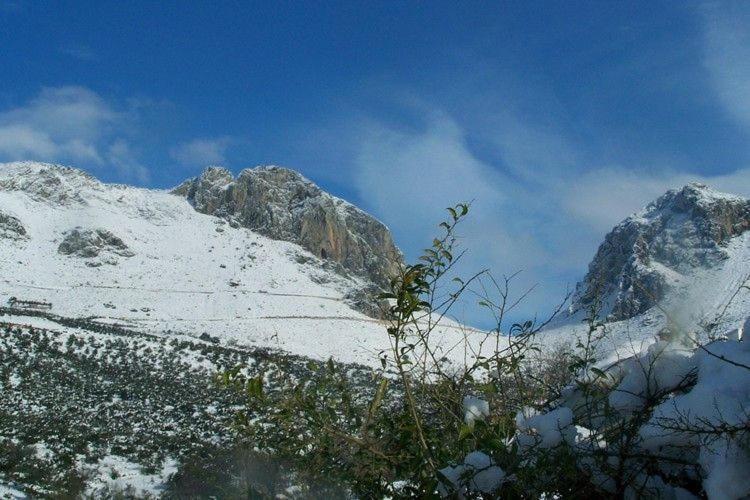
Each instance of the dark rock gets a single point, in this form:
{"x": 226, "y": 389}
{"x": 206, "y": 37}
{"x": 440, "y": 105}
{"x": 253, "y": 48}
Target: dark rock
{"x": 90, "y": 243}
{"x": 11, "y": 227}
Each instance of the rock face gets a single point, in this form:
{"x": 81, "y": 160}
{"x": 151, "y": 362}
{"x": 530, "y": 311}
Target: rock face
{"x": 640, "y": 259}
{"x": 282, "y": 204}
{"x": 91, "y": 243}
{"x": 11, "y": 227}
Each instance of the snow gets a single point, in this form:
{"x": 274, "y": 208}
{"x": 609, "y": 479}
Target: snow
{"x": 478, "y": 474}
{"x": 663, "y": 367}
{"x": 704, "y": 412}
{"x": 8, "y": 492}
{"x": 116, "y": 474}
{"x": 720, "y": 395}
{"x": 475, "y": 409}
{"x": 179, "y": 279}
{"x": 544, "y": 430}
{"x": 726, "y": 463}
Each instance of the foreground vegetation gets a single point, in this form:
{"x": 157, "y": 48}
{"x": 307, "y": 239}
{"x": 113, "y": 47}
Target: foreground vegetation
{"x": 86, "y": 409}
{"x": 515, "y": 421}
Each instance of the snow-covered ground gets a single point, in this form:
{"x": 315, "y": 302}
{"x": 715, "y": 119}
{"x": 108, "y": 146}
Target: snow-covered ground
{"x": 190, "y": 273}
{"x": 183, "y": 274}
{"x": 698, "y": 298}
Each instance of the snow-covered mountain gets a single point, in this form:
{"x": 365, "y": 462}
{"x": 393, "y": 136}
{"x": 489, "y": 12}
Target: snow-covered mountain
{"x": 283, "y": 205}
{"x": 655, "y": 252}
{"x": 268, "y": 258}
{"x": 152, "y": 292}
{"x": 150, "y": 260}
{"x": 682, "y": 259}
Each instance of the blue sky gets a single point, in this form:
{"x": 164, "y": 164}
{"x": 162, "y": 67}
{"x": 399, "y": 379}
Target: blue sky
{"x": 557, "y": 118}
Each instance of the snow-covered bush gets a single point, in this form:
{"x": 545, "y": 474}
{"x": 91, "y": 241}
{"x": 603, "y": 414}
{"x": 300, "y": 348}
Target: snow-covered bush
{"x": 475, "y": 409}
{"x": 477, "y": 474}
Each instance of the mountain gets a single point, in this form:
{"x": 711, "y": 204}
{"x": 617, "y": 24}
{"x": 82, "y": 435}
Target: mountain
{"x": 680, "y": 259}
{"x": 243, "y": 271}
{"x": 124, "y": 303}
{"x": 128, "y": 301}
{"x": 283, "y": 205}
{"x": 648, "y": 255}
{"x": 267, "y": 257}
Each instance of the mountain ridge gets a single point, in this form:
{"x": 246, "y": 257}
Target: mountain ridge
{"x": 148, "y": 260}
{"x": 645, "y": 256}
{"x": 282, "y": 204}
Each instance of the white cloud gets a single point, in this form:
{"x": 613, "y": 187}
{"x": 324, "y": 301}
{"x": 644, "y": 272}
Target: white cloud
{"x": 408, "y": 178}
{"x": 541, "y": 218}
{"x": 727, "y": 55}
{"x": 70, "y": 124}
{"x": 60, "y": 123}
{"x": 602, "y": 197}
{"x": 21, "y": 141}
{"x": 65, "y": 113}
{"x": 202, "y": 151}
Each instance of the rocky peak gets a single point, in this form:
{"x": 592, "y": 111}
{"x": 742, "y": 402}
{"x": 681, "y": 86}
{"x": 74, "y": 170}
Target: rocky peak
{"x": 47, "y": 182}
{"x": 642, "y": 257}
{"x": 282, "y": 204}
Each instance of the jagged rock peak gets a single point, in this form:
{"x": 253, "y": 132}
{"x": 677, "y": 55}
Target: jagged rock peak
{"x": 642, "y": 258}
{"x": 282, "y": 204}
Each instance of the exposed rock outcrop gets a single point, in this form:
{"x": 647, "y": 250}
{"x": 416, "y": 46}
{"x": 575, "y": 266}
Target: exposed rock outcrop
{"x": 91, "y": 243}
{"x": 11, "y": 228}
{"x": 282, "y": 204}
{"x": 683, "y": 230}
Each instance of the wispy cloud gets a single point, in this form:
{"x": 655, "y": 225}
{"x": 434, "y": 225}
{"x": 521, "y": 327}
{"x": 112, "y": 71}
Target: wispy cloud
{"x": 122, "y": 157}
{"x": 201, "y": 151}
{"x": 63, "y": 122}
{"x": 70, "y": 124}
{"x": 542, "y": 219}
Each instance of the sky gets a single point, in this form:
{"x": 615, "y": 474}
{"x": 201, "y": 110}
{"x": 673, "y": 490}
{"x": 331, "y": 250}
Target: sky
{"x": 557, "y": 119}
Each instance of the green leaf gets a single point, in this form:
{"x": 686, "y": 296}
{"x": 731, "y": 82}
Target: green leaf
{"x": 255, "y": 387}
{"x": 465, "y": 431}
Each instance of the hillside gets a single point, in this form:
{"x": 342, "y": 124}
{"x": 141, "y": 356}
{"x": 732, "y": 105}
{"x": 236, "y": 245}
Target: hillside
{"x": 682, "y": 260}
{"x": 121, "y": 305}
{"x": 148, "y": 260}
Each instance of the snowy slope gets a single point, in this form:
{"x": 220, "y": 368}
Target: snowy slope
{"x": 684, "y": 259}
{"x": 189, "y": 273}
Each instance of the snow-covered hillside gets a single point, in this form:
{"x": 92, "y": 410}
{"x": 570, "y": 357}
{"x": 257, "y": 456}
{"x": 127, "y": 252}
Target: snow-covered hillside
{"x": 147, "y": 259}
{"x": 682, "y": 261}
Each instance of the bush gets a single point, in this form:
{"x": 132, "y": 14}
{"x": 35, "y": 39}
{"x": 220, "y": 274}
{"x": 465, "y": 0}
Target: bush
{"x": 514, "y": 421}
